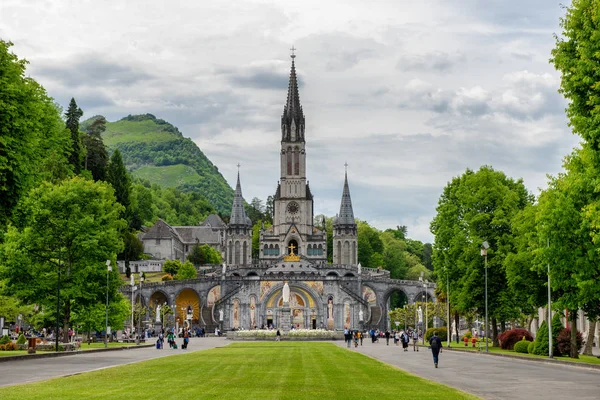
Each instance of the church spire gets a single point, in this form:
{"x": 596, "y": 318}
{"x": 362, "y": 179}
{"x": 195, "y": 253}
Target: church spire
{"x": 292, "y": 120}
{"x": 238, "y": 212}
{"x": 346, "y": 215}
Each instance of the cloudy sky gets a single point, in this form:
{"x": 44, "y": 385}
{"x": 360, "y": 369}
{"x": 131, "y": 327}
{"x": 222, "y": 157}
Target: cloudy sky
{"x": 410, "y": 93}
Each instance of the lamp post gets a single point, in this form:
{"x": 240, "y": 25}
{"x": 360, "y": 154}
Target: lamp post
{"x": 426, "y": 318}
{"x": 448, "y": 305}
{"x": 133, "y": 288}
{"x": 108, "y": 269}
{"x": 484, "y": 247}
{"x": 549, "y": 308}
{"x": 57, "y": 303}
{"x": 139, "y": 329}
{"x": 405, "y": 318}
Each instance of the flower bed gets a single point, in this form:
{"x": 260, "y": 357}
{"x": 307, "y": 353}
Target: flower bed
{"x": 296, "y": 334}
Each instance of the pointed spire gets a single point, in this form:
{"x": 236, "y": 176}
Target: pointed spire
{"x": 238, "y": 212}
{"x": 293, "y": 117}
{"x": 346, "y": 215}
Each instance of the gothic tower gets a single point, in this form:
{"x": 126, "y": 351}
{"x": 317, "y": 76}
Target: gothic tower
{"x": 345, "y": 238}
{"x": 239, "y": 231}
{"x": 293, "y": 229}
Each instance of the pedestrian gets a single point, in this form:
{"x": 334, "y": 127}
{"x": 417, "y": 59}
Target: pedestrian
{"x": 278, "y": 336}
{"x": 396, "y": 338}
{"x": 387, "y": 337}
{"x": 436, "y": 347}
{"x": 348, "y": 337}
{"x": 404, "y": 338}
{"x": 415, "y": 340}
{"x": 360, "y": 336}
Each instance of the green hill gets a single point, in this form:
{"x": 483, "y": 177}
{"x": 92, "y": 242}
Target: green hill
{"x": 155, "y": 150}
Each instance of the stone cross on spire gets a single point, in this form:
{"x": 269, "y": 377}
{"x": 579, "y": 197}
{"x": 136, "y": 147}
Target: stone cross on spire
{"x": 293, "y": 49}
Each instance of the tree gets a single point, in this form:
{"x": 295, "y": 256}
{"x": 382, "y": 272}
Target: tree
{"x": 33, "y": 140}
{"x": 186, "y": 271}
{"x": 255, "y": 210}
{"x": 133, "y": 249}
{"x": 269, "y": 210}
{"x": 96, "y": 155}
{"x": 575, "y": 276}
{"x": 476, "y": 207}
{"x": 69, "y": 230}
{"x": 119, "y": 179}
{"x": 73, "y": 115}
{"x": 204, "y": 254}
{"x": 171, "y": 267}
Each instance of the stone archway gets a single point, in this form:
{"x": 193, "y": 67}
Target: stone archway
{"x": 187, "y": 303}
{"x": 305, "y": 305}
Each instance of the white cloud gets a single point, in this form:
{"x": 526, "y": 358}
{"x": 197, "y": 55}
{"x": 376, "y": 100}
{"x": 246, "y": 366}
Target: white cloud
{"x": 409, "y": 95}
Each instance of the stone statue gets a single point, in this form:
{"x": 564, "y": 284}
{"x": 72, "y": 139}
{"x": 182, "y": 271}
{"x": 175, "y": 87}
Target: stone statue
{"x": 286, "y": 293}
{"x": 330, "y": 309}
{"x": 360, "y": 313}
{"x": 420, "y": 314}
{"x": 158, "y": 313}
{"x": 224, "y": 269}
{"x": 359, "y": 269}
{"x": 221, "y": 315}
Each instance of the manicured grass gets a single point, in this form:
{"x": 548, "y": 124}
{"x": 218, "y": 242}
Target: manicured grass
{"x": 100, "y": 345}
{"x": 12, "y": 353}
{"x": 246, "y": 371}
{"x": 169, "y": 175}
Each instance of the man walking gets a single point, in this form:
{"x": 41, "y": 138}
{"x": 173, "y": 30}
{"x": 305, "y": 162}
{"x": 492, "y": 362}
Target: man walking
{"x": 436, "y": 347}
{"x": 387, "y": 337}
{"x": 415, "y": 336}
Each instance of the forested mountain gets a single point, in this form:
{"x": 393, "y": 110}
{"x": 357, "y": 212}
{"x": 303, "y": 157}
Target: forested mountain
{"x": 156, "y": 151}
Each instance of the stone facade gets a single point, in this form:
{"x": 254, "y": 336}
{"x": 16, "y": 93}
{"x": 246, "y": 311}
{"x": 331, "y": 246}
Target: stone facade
{"x": 245, "y": 294}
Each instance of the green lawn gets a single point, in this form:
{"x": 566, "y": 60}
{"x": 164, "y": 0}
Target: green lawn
{"x": 245, "y": 371}
{"x": 12, "y": 353}
{"x": 100, "y": 345}
{"x": 135, "y": 131}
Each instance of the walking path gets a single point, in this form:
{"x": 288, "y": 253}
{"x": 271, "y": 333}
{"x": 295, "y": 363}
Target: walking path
{"x": 26, "y": 371}
{"x": 491, "y": 377}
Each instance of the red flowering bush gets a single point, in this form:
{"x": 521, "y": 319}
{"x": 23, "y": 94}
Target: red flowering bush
{"x": 509, "y": 338}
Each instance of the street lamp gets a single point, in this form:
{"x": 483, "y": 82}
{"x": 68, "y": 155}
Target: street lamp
{"x": 108, "y": 269}
{"x": 405, "y": 318}
{"x": 448, "y": 305}
{"x": 484, "y": 247}
{"x": 426, "y": 317}
{"x": 57, "y": 302}
{"x": 139, "y": 330}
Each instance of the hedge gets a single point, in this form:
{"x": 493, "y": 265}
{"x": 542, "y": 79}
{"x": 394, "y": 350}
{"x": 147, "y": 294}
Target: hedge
{"x": 508, "y": 339}
{"x": 522, "y": 346}
{"x": 441, "y": 331}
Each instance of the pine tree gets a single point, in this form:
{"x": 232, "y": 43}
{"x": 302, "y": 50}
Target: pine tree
{"x": 118, "y": 177}
{"x": 73, "y": 115}
{"x": 557, "y": 327}
{"x": 96, "y": 155}
{"x": 541, "y": 344}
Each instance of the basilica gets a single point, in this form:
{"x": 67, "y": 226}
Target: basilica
{"x": 244, "y": 293}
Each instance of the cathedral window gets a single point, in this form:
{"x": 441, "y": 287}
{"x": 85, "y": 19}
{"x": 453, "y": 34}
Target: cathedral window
{"x": 296, "y": 161}
{"x": 310, "y": 250}
{"x": 266, "y": 250}
{"x": 289, "y": 161}
{"x": 320, "y": 250}
{"x": 276, "y": 250}
{"x": 236, "y": 259}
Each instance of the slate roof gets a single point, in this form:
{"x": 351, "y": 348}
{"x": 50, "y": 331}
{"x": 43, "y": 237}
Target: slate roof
{"x": 200, "y": 234}
{"x": 346, "y": 215}
{"x": 214, "y": 220}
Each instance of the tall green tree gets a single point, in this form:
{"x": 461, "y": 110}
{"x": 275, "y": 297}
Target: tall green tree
{"x": 118, "y": 177}
{"x": 96, "y": 155}
{"x": 576, "y": 57}
{"x": 69, "y": 230}
{"x": 477, "y": 207}
{"x": 34, "y": 143}
{"x": 72, "y": 116}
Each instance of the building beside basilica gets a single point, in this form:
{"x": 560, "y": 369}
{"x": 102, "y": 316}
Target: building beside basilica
{"x": 246, "y": 293}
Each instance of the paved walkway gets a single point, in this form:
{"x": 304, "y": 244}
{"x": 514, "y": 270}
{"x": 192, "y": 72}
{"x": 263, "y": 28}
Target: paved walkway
{"x": 26, "y": 371}
{"x": 491, "y": 377}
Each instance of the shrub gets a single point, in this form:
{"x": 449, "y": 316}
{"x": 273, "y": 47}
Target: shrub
{"x": 541, "y": 340}
{"x": 509, "y": 338}
{"x": 11, "y": 346}
{"x": 564, "y": 342}
{"x": 468, "y": 335}
{"x": 21, "y": 339}
{"x": 522, "y": 346}
{"x": 531, "y": 348}
{"x": 2, "y": 347}
{"x": 5, "y": 339}
{"x": 442, "y": 333}
{"x": 167, "y": 277}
